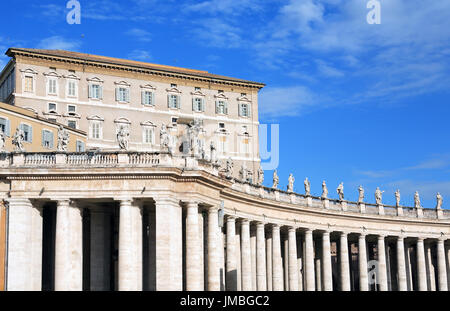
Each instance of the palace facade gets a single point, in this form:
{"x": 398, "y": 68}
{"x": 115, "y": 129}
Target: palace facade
{"x": 144, "y": 217}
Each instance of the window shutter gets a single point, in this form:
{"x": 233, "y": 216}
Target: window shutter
{"x": 43, "y": 137}
{"x": 249, "y": 111}
{"x": 178, "y": 101}
{"x": 169, "y": 101}
{"x": 30, "y": 136}
{"x": 193, "y": 105}
{"x": 143, "y": 97}
{"x": 7, "y": 128}
{"x": 117, "y": 94}
{"x": 50, "y": 138}
{"x": 225, "y": 108}
{"x": 100, "y": 92}
{"x": 90, "y": 91}
{"x": 217, "y": 107}
{"x": 127, "y": 95}
{"x": 240, "y": 110}
{"x": 152, "y": 102}
{"x": 203, "y": 105}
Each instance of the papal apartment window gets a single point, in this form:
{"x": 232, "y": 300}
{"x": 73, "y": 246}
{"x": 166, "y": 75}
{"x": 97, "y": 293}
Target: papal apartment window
{"x": 51, "y": 107}
{"x": 174, "y": 121}
{"x": 80, "y": 146}
{"x": 72, "y": 124}
{"x": 221, "y": 107}
{"x": 198, "y": 104}
{"x": 47, "y": 139}
{"x": 123, "y": 94}
{"x": 173, "y": 85}
{"x": 222, "y": 144}
{"x": 148, "y": 98}
{"x": 95, "y": 91}
{"x": 27, "y": 132}
{"x": 5, "y": 126}
{"x": 28, "y": 84}
{"x": 52, "y": 86}
{"x": 71, "y": 109}
{"x": 174, "y": 101}
{"x": 96, "y": 130}
{"x": 244, "y": 110}
{"x": 71, "y": 89}
{"x": 148, "y": 135}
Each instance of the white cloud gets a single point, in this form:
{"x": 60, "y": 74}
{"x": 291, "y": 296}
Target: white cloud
{"x": 220, "y": 7}
{"x": 58, "y": 43}
{"x": 140, "y": 55}
{"x": 139, "y": 34}
{"x": 214, "y": 32}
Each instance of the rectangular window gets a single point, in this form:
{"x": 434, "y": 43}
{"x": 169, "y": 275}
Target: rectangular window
{"x": 27, "y": 132}
{"x": 148, "y": 135}
{"x": 96, "y": 129}
{"x": 51, "y": 107}
{"x": 174, "y": 101}
{"x": 95, "y": 91}
{"x": 71, "y": 108}
{"x": 222, "y": 145}
{"x": 245, "y": 146}
{"x": 147, "y": 98}
{"x": 71, "y": 88}
{"x": 47, "y": 139}
{"x": 221, "y": 107}
{"x": 72, "y": 124}
{"x": 198, "y": 104}
{"x": 174, "y": 121}
{"x": 28, "y": 84}
{"x": 244, "y": 110}
{"x": 80, "y": 146}
{"x": 5, "y": 126}
{"x": 123, "y": 94}
{"x": 52, "y": 86}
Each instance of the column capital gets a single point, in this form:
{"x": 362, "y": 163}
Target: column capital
{"x": 326, "y": 232}
{"x": 420, "y": 239}
{"x": 260, "y": 223}
{"x": 292, "y": 228}
{"x": 381, "y": 236}
{"x": 190, "y": 204}
{"x": 244, "y": 221}
{"x": 400, "y": 238}
{"x": 231, "y": 218}
{"x": 362, "y": 235}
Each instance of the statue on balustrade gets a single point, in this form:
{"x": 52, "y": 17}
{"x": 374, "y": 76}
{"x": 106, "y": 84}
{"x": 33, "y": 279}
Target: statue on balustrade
{"x": 324, "y": 190}
{"x": 63, "y": 139}
{"x": 307, "y": 187}
{"x": 378, "y": 196}
{"x": 439, "y": 200}
{"x": 18, "y": 138}
{"x": 243, "y": 173}
{"x": 165, "y": 139}
{"x": 361, "y": 194}
{"x": 340, "y": 191}
{"x": 397, "y": 198}
{"x": 213, "y": 153}
{"x": 2, "y": 141}
{"x": 229, "y": 168}
{"x": 275, "y": 180}
{"x": 260, "y": 176}
{"x": 417, "y": 200}
{"x": 291, "y": 180}
{"x": 193, "y": 134}
{"x": 123, "y": 137}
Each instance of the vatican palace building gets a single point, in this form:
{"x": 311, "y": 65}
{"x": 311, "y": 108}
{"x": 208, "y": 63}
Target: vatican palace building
{"x": 131, "y": 176}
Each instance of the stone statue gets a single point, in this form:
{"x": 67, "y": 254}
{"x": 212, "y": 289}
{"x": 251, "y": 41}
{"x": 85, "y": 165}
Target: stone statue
{"x": 340, "y": 191}
{"x": 18, "y": 139}
{"x": 417, "y": 200}
{"x": 275, "y": 179}
{"x": 361, "y": 194}
{"x": 213, "y": 153}
{"x": 291, "y": 180}
{"x": 229, "y": 168}
{"x": 378, "y": 196}
{"x": 2, "y": 141}
{"x": 243, "y": 173}
{"x": 397, "y": 197}
{"x": 165, "y": 139}
{"x": 324, "y": 190}
{"x": 63, "y": 139}
{"x": 193, "y": 134}
{"x": 260, "y": 176}
{"x": 307, "y": 187}
{"x": 123, "y": 137}
{"x": 439, "y": 200}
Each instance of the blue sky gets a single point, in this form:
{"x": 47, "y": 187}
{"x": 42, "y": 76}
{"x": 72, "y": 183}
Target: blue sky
{"x": 358, "y": 103}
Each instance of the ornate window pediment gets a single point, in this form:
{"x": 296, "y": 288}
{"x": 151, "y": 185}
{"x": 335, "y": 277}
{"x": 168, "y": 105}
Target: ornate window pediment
{"x": 148, "y": 123}
{"x": 72, "y": 76}
{"x": 198, "y": 93}
{"x": 122, "y": 120}
{"x": 221, "y": 96}
{"x": 31, "y": 109}
{"x": 122, "y": 83}
{"x": 52, "y": 74}
{"x": 95, "y": 118}
{"x": 95, "y": 79}
{"x": 244, "y": 98}
{"x": 29, "y": 71}
{"x": 148, "y": 87}
{"x": 173, "y": 90}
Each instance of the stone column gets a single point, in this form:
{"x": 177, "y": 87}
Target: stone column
{"x": 253, "y": 254}
{"x": 24, "y": 246}
{"x": 238, "y": 257}
{"x": 246, "y": 267}
{"x": 277, "y": 270}
{"x": 100, "y": 249}
{"x": 442, "y": 269}
{"x": 421, "y": 269}
{"x": 231, "y": 266}
{"x": 285, "y": 241}
{"x": 362, "y": 262}
{"x": 431, "y": 282}
{"x": 201, "y": 250}
{"x": 130, "y": 246}
{"x": 169, "y": 248}
{"x": 326, "y": 262}
{"x": 382, "y": 272}
{"x": 345, "y": 267}
{"x": 68, "y": 247}
{"x": 269, "y": 262}
{"x": 213, "y": 250}
{"x": 293, "y": 264}
{"x": 192, "y": 248}
{"x": 261, "y": 280}
{"x": 401, "y": 267}
{"x": 309, "y": 261}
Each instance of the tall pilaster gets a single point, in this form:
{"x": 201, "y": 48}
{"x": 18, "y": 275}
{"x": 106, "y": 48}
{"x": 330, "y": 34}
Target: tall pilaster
{"x": 309, "y": 261}
{"x": 442, "y": 269}
{"x": 213, "y": 250}
{"x": 261, "y": 277}
{"x": 421, "y": 268}
{"x": 277, "y": 271}
{"x": 326, "y": 262}
{"x": 401, "y": 267}
{"x": 231, "y": 266}
{"x": 293, "y": 272}
{"x": 345, "y": 267}
{"x": 68, "y": 247}
{"x": 269, "y": 262}
{"x": 246, "y": 256}
{"x": 192, "y": 248}
{"x": 362, "y": 262}
{"x": 382, "y": 272}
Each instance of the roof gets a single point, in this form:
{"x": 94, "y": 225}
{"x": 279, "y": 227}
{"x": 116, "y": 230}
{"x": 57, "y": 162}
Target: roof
{"x": 31, "y": 114}
{"x": 130, "y": 63}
